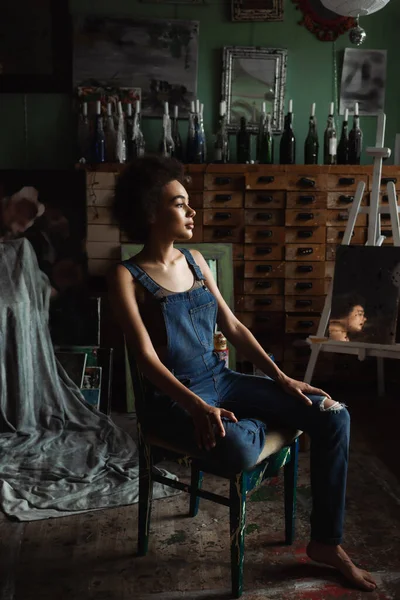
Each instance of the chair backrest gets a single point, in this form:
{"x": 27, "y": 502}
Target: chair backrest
{"x": 137, "y": 383}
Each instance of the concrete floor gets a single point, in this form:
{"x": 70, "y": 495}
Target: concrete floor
{"x": 93, "y": 556}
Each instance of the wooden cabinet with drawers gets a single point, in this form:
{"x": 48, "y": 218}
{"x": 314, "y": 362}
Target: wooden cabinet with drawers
{"x": 284, "y": 223}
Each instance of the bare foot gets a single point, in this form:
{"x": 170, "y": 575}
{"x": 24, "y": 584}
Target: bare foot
{"x": 336, "y": 557}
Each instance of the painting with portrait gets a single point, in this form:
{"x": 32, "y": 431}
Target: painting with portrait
{"x": 365, "y": 294}
{"x": 363, "y": 81}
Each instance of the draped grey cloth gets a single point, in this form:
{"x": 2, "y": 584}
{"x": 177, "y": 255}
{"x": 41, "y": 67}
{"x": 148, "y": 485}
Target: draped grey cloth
{"x": 57, "y": 456}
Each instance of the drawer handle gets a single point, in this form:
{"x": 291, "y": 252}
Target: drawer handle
{"x": 263, "y": 216}
{"x": 386, "y": 180}
{"x": 305, "y": 234}
{"x": 307, "y": 182}
{"x": 222, "y": 216}
{"x": 303, "y": 285}
{"x": 264, "y": 301}
{"x": 342, "y": 216}
{"x": 223, "y": 197}
{"x": 305, "y": 216}
{"x": 263, "y": 250}
{"x": 346, "y": 199}
{"x": 306, "y": 199}
{"x": 223, "y": 180}
{"x": 264, "y": 268}
{"x": 223, "y": 233}
{"x": 305, "y": 268}
{"x": 266, "y": 179}
{"x": 304, "y": 251}
{"x": 300, "y": 303}
{"x": 387, "y": 232}
{"x": 264, "y": 199}
{"x": 263, "y": 318}
{"x": 385, "y": 198}
{"x": 263, "y": 284}
{"x": 264, "y": 233}
{"x": 305, "y": 324}
{"x": 346, "y": 180}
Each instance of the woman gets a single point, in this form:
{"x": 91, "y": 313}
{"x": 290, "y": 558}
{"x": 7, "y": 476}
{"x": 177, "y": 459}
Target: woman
{"x": 349, "y": 313}
{"x": 167, "y": 301}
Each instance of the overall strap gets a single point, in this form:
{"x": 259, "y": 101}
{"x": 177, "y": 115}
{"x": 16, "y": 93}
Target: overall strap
{"x": 199, "y": 275}
{"x": 141, "y": 276}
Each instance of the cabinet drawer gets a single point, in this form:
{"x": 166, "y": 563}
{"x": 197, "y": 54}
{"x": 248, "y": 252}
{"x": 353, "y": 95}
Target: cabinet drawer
{"x": 223, "y": 217}
{"x": 303, "y": 324}
{"x": 302, "y": 180}
{"x": 337, "y": 181}
{"x": 295, "y": 352}
{"x": 265, "y": 216}
{"x": 310, "y": 287}
{"x": 223, "y": 200}
{"x": 305, "y": 200}
{"x": 259, "y": 322}
{"x": 334, "y": 235}
{"x": 301, "y": 235}
{"x": 386, "y": 177}
{"x": 384, "y": 198}
{"x": 263, "y": 286}
{"x": 223, "y": 234}
{"x": 266, "y": 181}
{"x": 305, "y": 217}
{"x": 388, "y": 233}
{"x": 266, "y": 234}
{"x": 221, "y": 181}
{"x": 335, "y": 217}
{"x": 343, "y": 200}
{"x": 304, "y": 303}
{"x": 258, "y": 251}
{"x": 306, "y": 270}
{"x": 270, "y": 199}
{"x": 196, "y": 200}
{"x": 259, "y": 303}
{"x": 305, "y": 252}
{"x": 238, "y": 276}
{"x": 193, "y": 182}
{"x": 264, "y": 269}
{"x": 238, "y": 251}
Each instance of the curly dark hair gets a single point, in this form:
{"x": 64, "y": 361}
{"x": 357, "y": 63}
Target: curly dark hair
{"x": 343, "y": 304}
{"x": 138, "y": 192}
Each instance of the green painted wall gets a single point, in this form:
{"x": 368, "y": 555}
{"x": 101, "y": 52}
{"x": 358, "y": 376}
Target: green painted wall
{"x": 36, "y": 130}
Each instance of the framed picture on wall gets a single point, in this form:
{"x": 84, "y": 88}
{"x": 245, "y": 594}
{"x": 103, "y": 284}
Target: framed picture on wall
{"x": 257, "y": 10}
{"x": 35, "y": 46}
{"x": 251, "y": 76}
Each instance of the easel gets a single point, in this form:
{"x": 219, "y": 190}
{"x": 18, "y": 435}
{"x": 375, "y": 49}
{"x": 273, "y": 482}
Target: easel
{"x": 320, "y": 343}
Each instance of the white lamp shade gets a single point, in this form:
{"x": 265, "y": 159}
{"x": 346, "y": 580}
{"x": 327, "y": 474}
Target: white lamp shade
{"x": 354, "y": 8}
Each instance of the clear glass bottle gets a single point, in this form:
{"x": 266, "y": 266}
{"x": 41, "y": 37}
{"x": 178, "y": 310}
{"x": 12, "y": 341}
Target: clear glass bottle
{"x": 99, "y": 140}
{"x": 243, "y": 143}
{"x": 287, "y": 149}
{"x": 129, "y": 131}
{"x": 330, "y": 139}
{"x": 110, "y": 135}
{"x": 355, "y": 139}
{"x": 120, "y": 152}
{"x": 190, "y": 134}
{"x": 83, "y": 135}
{"x": 343, "y": 146}
{"x": 166, "y": 146}
{"x": 265, "y": 140}
{"x": 138, "y": 141}
{"x": 176, "y": 137}
{"x": 221, "y": 144}
{"x": 311, "y": 145}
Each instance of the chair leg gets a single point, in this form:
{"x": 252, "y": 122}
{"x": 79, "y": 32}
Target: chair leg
{"x": 196, "y": 482}
{"x": 145, "y": 495}
{"x": 237, "y": 516}
{"x": 290, "y": 482}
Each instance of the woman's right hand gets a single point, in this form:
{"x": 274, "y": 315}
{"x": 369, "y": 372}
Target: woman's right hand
{"x": 208, "y": 423}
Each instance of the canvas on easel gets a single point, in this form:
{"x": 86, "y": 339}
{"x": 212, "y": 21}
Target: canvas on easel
{"x": 365, "y": 294}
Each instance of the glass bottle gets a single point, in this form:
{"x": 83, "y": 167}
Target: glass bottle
{"x": 221, "y": 144}
{"x": 166, "y": 146}
{"x": 355, "y": 139}
{"x": 110, "y": 135}
{"x": 311, "y": 145}
{"x": 330, "y": 140}
{"x": 138, "y": 141}
{"x": 178, "y": 146}
{"x": 287, "y": 150}
{"x": 129, "y": 132}
{"x": 190, "y": 134}
{"x": 243, "y": 143}
{"x": 199, "y": 149}
{"x": 265, "y": 140}
{"x": 99, "y": 141}
{"x": 120, "y": 152}
{"x": 84, "y": 135}
{"x": 343, "y": 146}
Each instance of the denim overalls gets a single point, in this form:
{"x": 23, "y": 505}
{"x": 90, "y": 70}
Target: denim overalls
{"x": 257, "y": 402}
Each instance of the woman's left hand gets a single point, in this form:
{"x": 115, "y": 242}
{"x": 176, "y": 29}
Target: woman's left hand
{"x": 300, "y": 389}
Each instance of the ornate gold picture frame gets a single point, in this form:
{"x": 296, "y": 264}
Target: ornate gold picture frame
{"x": 257, "y": 10}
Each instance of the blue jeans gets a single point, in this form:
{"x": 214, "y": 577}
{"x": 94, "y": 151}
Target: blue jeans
{"x": 259, "y": 403}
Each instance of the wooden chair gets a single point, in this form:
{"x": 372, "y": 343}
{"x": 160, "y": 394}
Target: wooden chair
{"x": 280, "y": 450}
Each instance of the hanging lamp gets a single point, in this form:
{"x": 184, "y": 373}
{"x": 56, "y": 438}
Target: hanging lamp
{"x": 356, "y": 9}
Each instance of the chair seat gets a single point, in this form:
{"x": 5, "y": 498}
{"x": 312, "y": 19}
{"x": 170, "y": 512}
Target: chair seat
{"x": 276, "y": 439}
